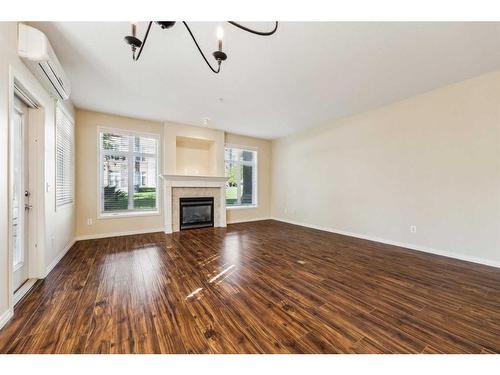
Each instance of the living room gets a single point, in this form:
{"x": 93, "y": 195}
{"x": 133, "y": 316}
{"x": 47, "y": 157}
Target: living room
{"x": 307, "y": 187}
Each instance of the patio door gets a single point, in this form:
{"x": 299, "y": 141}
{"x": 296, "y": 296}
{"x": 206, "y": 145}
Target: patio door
{"x": 20, "y": 193}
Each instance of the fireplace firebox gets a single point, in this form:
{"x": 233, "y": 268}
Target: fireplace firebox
{"x": 196, "y": 212}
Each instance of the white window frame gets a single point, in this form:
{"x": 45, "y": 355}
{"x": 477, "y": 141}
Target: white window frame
{"x": 101, "y": 214}
{"x": 255, "y": 165}
{"x": 60, "y": 109}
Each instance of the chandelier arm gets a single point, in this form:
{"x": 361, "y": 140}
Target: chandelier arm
{"x": 256, "y": 32}
{"x": 216, "y": 71}
{"x": 143, "y": 42}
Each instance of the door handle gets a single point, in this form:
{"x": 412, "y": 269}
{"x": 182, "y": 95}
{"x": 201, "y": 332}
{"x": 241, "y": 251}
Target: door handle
{"x": 28, "y": 206}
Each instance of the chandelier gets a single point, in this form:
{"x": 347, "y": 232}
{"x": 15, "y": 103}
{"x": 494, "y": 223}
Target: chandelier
{"x": 137, "y": 45}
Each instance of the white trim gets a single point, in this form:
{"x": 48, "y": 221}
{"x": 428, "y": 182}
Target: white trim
{"x": 17, "y": 266}
{"x": 21, "y": 109}
{"x": 173, "y": 181}
{"x": 127, "y": 132}
{"x": 242, "y": 206}
{"x": 5, "y": 317}
{"x": 22, "y": 77}
{"x": 188, "y": 178}
{"x": 425, "y": 249}
{"x": 241, "y": 147}
{"x": 159, "y": 165}
{"x": 59, "y": 256}
{"x": 131, "y": 213}
{"x": 25, "y": 95}
{"x": 255, "y": 171}
{"x": 23, "y": 290}
{"x": 117, "y": 234}
{"x": 249, "y": 220}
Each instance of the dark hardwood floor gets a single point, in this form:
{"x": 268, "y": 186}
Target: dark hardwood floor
{"x": 262, "y": 287}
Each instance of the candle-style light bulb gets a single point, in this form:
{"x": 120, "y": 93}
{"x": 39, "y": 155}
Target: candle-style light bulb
{"x": 220, "y": 32}
{"x": 220, "y": 35}
{"x": 219, "y": 55}
{"x": 134, "y": 27}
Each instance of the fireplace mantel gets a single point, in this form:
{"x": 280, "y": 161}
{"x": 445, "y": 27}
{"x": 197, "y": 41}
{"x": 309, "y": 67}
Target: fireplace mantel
{"x": 194, "y": 181}
{"x": 182, "y": 181}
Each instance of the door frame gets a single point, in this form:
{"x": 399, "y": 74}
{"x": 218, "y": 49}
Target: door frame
{"x": 37, "y": 121}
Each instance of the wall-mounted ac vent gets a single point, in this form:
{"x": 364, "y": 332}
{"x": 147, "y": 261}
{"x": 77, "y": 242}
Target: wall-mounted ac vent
{"x": 37, "y": 53}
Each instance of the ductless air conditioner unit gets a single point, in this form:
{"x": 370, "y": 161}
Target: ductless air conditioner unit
{"x": 37, "y": 53}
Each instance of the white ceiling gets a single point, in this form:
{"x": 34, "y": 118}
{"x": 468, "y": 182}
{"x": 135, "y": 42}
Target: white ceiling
{"x": 305, "y": 75}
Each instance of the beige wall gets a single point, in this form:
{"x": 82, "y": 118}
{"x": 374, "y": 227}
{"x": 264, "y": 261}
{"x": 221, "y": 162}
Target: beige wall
{"x": 432, "y": 161}
{"x": 55, "y": 228}
{"x": 173, "y": 130}
{"x": 87, "y": 124}
{"x": 263, "y": 211}
{"x": 195, "y": 157}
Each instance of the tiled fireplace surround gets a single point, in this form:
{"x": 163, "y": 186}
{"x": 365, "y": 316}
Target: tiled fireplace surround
{"x": 177, "y": 186}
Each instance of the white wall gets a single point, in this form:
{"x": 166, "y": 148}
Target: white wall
{"x": 58, "y": 230}
{"x": 432, "y": 161}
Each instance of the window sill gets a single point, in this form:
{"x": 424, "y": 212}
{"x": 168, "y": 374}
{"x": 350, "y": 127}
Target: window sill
{"x": 118, "y": 215}
{"x": 242, "y": 207}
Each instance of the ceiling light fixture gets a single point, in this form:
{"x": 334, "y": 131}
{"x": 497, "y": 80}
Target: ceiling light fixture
{"x": 137, "y": 45}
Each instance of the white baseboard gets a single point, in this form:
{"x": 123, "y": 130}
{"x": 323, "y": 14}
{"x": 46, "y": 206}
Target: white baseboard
{"x": 118, "y": 234}
{"x": 5, "y": 317}
{"x": 59, "y": 256}
{"x": 425, "y": 249}
{"x": 23, "y": 290}
{"x": 248, "y": 220}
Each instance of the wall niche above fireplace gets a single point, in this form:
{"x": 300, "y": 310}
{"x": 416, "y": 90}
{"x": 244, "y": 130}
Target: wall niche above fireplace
{"x": 195, "y": 157}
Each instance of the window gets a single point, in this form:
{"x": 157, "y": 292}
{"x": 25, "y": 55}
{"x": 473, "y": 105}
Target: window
{"x": 241, "y": 168}
{"x": 129, "y": 172}
{"x": 64, "y": 159}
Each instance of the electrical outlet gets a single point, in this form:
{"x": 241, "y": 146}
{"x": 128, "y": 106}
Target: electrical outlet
{"x": 89, "y": 221}
{"x": 413, "y": 229}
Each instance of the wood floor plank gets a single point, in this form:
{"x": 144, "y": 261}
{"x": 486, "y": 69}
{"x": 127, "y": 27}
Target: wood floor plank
{"x": 260, "y": 287}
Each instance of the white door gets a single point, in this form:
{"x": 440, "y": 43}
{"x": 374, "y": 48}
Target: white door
{"x": 20, "y": 193}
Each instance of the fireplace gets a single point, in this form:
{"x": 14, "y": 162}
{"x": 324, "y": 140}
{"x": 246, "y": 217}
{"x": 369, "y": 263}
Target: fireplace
{"x": 177, "y": 187}
{"x": 196, "y": 212}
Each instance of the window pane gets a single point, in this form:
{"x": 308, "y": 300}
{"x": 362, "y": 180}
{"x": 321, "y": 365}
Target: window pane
{"x": 231, "y": 184}
{"x": 17, "y": 189}
{"x": 240, "y": 169}
{"x": 130, "y": 176}
{"x": 145, "y": 183}
{"x": 247, "y": 155}
{"x": 115, "y": 183}
{"x": 145, "y": 145}
{"x": 247, "y": 185}
{"x": 115, "y": 142}
{"x": 232, "y": 154}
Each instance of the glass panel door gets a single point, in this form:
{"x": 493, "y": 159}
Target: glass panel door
{"x": 20, "y": 203}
